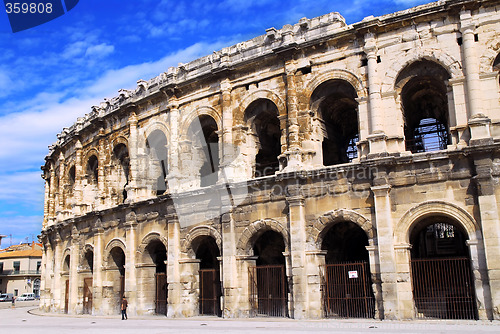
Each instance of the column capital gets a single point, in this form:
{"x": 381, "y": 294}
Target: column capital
{"x": 382, "y": 190}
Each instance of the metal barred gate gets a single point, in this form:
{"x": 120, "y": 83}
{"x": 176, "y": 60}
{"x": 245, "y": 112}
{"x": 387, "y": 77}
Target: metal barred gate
{"x": 443, "y": 288}
{"x": 347, "y": 291}
{"x": 209, "y": 292}
{"x": 268, "y": 293}
{"x": 161, "y": 293}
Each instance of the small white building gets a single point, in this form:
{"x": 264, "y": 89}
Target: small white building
{"x": 20, "y": 269}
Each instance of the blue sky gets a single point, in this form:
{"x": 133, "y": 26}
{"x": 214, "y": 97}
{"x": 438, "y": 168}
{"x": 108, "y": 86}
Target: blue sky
{"x": 54, "y": 73}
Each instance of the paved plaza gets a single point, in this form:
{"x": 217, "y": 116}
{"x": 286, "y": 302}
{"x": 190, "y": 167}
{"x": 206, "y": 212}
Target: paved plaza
{"x": 26, "y": 318}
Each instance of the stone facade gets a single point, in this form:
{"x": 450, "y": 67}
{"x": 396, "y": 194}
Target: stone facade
{"x": 318, "y": 143}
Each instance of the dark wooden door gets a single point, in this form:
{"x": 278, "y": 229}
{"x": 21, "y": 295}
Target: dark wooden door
{"x": 66, "y": 297}
{"x": 209, "y": 292}
{"x": 87, "y": 295}
{"x": 161, "y": 293}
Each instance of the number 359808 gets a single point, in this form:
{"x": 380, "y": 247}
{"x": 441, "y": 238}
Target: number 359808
{"x": 24, "y": 8}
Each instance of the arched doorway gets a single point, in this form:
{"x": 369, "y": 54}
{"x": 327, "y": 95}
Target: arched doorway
{"x": 424, "y": 101}
{"x": 115, "y": 275}
{"x": 337, "y": 109}
{"x": 65, "y": 275}
{"x": 121, "y": 162}
{"x": 269, "y": 288}
{"x": 207, "y": 251}
{"x": 157, "y": 254}
{"x": 442, "y": 280}
{"x": 348, "y": 292}
{"x": 88, "y": 268}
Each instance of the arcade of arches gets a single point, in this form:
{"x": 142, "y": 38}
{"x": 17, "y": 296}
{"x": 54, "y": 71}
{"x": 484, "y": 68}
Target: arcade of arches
{"x": 323, "y": 170}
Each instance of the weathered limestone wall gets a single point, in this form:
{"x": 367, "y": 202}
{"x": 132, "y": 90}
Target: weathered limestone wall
{"x": 124, "y": 183}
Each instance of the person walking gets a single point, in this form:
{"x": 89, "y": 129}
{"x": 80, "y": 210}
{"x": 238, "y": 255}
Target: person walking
{"x": 124, "y": 305}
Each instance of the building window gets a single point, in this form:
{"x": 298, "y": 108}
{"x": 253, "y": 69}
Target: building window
{"x": 16, "y": 292}
{"x": 1, "y": 267}
{"x": 38, "y": 265}
{"x": 17, "y": 266}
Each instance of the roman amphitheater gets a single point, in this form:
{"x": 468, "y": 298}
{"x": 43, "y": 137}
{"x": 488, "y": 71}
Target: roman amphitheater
{"x": 321, "y": 170}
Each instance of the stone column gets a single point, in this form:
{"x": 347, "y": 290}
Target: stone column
{"x": 130, "y": 270}
{"x": 384, "y": 227}
{"x": 227, "y": 148}
{"x": 375, "y": 277}
{"x": 297, "y": 219}
{"x": 190, "y": 287}
{"x": 377, "y": 138}
{"x": 245, "y": 307}
{"x": 75, "y": 305}
{"x": 229, "y": 271}
{"x": 480, "y": 276}
{"x": 58, "y": 283}
{"x": 97, "y": 276}
{"x": 45, "y": 272}
{"x": 406, "y": 308}
{"x": 134, "y": 177}
{"x": 292, "y": 144}
{"x": 52, "y": 194}
{"x": 78, "y": 206}
{"x": 101, "y": 182}
{"x": 62, "y": 182}
{"x": 315, "y": 269}
{"x": 490, "y": 223}
{"x": 174, "y": 174}
{"x": 46, "y": 202}
{"x": 173, "y": 270}
{"x": 479, "y": 124}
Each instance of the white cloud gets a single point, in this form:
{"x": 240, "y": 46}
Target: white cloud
{"x": 21, "y": 227}
{"x": 99, "y": 50}
{"x": 6, "y": 84}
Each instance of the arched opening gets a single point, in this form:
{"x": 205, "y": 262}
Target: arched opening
{"x": 337, "y": 110}
{"x": 157, "y": 253}
{"x": 71, "y": 177}
{"x": 92, "y": 170}
{"x": 207, "y": 251}
{"x": 65, "y": 275}
{"x": 115, "y": 275}
{"x": 156, "y": 149}
{"x": 269, "y": 288}
{"x": 261, "y": 117}
{"x": 88, "y": 265}
{"x": 122, "y": 163}
{"x": 442, "y": 279}
{"x": 36, "y": 287}
{"x": 424, "y": 101}
{"x": 347, "y": 275}
{"x": 205, "y": 140}
{"x": 496, "y": 66}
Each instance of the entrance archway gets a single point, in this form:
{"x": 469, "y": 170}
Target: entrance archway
{"x": 268, "y": 280}
{"x": 443, "y": 285}
{"x": 115, "y": 274}
{"x": 157, "y": 254}
{"x": 348, "y": 292}
{"x": 207, "y": 251}
{"x": 88, "y": 265}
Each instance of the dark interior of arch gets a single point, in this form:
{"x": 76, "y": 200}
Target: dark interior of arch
{"x": 210, "y": 168}
{"x": 93, "y": 169}
{"x": 158, "y": 252}
{"x": 118, "y": 258}
{"x": 262, "y": 117}
{"x": 66, "y": 263}
{"x": 437, "y": 237}
{"x": 425, "y": 106}
{"x": 156, "y": 145}
{"x": 338, "y": 112}
{"x": 89, "y": 259}
{"x": 72, "y": 176}
{"x": 345, "y": 242}
{"x": 496, "y": 64}
{"x": 120, "y": 153}
{"x": 206, "y": 251}
{"x": 269, "y": 248}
